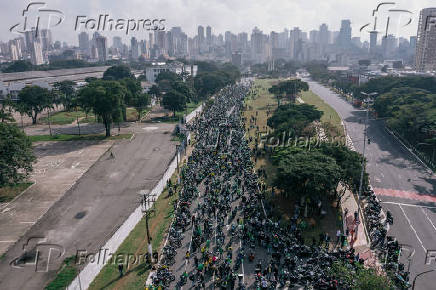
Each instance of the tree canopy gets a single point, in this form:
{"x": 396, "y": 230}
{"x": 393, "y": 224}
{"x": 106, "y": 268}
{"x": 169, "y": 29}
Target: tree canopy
{"x": 117, "y": 72}
{"x": 174, "y": 101}
{"x": 65, "y": 93}
{"x": 16, "y": 155}
{"x": 302, "y": 173}
{"x": 33, "y": 100}
{"x": 289, "y": 89}
{"x": 105, "y": 99}
{"x": 293, "y": 119}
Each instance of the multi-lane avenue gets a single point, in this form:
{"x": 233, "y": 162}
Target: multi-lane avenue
{"x": 403, "y": 184}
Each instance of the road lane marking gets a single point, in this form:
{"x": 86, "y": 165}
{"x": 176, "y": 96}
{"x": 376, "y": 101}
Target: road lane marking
{"x": 413, "y": 229}
{"x": 409, "y": 204}
{"x": 425, "y": 213}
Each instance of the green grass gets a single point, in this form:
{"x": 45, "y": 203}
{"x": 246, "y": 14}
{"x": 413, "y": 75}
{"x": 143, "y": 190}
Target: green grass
{"x": 137, "y": 274}
{"x": 65, "y": 276}
{"x": 8, "y": 193}
{"x": 64, "y": 118}
{"x": 179, "y": 114}
{"x": 330, "y": 118}
{"x": 66, "y": 137}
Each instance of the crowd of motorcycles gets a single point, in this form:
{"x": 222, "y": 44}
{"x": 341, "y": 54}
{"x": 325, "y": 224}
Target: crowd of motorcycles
{"x": 222, "y": 235}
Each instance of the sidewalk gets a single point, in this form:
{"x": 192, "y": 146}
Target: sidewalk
{"x": 357, "y": 236}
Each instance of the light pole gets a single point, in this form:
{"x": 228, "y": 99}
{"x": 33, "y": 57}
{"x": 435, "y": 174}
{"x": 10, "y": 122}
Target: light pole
{"x": 364, "y": 142}
{"x": 147, "y": 201}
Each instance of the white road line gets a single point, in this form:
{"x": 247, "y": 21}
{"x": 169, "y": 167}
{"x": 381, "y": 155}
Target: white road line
{"x": 7, "y": 241}
{"x": 413, "y": 229}
{"x": 425, "y": 213}
{"x": 408, "y": 204}
{"x": 27, "y": 222}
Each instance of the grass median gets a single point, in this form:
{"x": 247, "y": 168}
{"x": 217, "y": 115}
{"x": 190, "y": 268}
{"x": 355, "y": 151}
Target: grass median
{"x": 257, "y": 106}
{"x": 330, "y": 118}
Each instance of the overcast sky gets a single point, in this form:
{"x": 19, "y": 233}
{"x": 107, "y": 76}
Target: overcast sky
{"x": 222, "y": 15}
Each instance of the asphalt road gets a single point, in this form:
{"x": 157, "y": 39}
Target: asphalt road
{"x": 402, "y": 183}
{"x": 88, "y": 214}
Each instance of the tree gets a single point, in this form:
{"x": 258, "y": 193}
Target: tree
{"x": 184, "y": 89}
{"x": 290, "y": 89}
{"x": 293, "y": 119}
{"x": 16, "y": 156}
{"x": 18, "y": 66}
{"x": 6, "y": 110}
{"x": 105, "y": 99}
{"x": 349, "y": 161}
{"x": 33, "y": 100}
{"x": 140, "y": 103}
{"x": 66, "y": 93}
{"x": 133, "y": 90}
{"x": 174, "y": 101}
{"x": 117, "y": 72}
{"x": 360, "y": 278}
{"x": 302, "y": 173}
{"x": 154, "y": 90}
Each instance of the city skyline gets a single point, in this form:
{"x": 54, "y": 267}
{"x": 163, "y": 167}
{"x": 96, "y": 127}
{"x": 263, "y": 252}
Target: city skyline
{"x": 223, "y": 16}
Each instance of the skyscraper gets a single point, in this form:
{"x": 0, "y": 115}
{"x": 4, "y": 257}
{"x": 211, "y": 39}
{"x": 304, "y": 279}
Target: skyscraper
{"x": 36, "y": 57}
{"x": 324, "y": 36}
{"x": 101, "y": 45}
{"x": 344, "y": 37}
{"x": 200, "y": 34}
{"x": 117, "y": 43}
{"x": 45, "y": 39}
{"x": 209, "y": 35}
{"x": 84, "y": 42}
{"x": 373, "y": 42}
{"x": 134, "y": 47}
{"x": 426, "y": 41}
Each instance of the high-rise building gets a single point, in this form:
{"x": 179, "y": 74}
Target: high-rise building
{"x": 29, "y": 37}
{"x": 257, "y": 46}
{"x": 344, "y": 37}
{"x": 84, "y": 42}
{"x": 389, "y": 45}
{"x": 296, "y": 43}
{"x": 200, "y": 34}
{"x": 134, "y": 48}
{"x": 373, "y": 42}
{"x": 314, "y": 36}
{"x": 117, "y": 43}
{"x": 101, "y": 45}
{"x": 209, "y": 35}
{"x": 356, "y": 42}
{"x": 36, "y": 57}
{"x": 45, "y": 39}
{"x": 274, "y": 39}
{"x": 13, "y": 51}
{"x": 425, "y": 59}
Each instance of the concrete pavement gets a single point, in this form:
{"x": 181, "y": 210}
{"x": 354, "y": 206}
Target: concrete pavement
{"x": 87, "y": 215}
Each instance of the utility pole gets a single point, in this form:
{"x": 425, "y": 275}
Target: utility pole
{"x": 364, "y": 143}
{"x": 147, "y": 201}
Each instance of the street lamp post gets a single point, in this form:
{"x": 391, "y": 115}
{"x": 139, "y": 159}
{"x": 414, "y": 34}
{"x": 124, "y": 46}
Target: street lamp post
{"x": 364, "y": 143}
